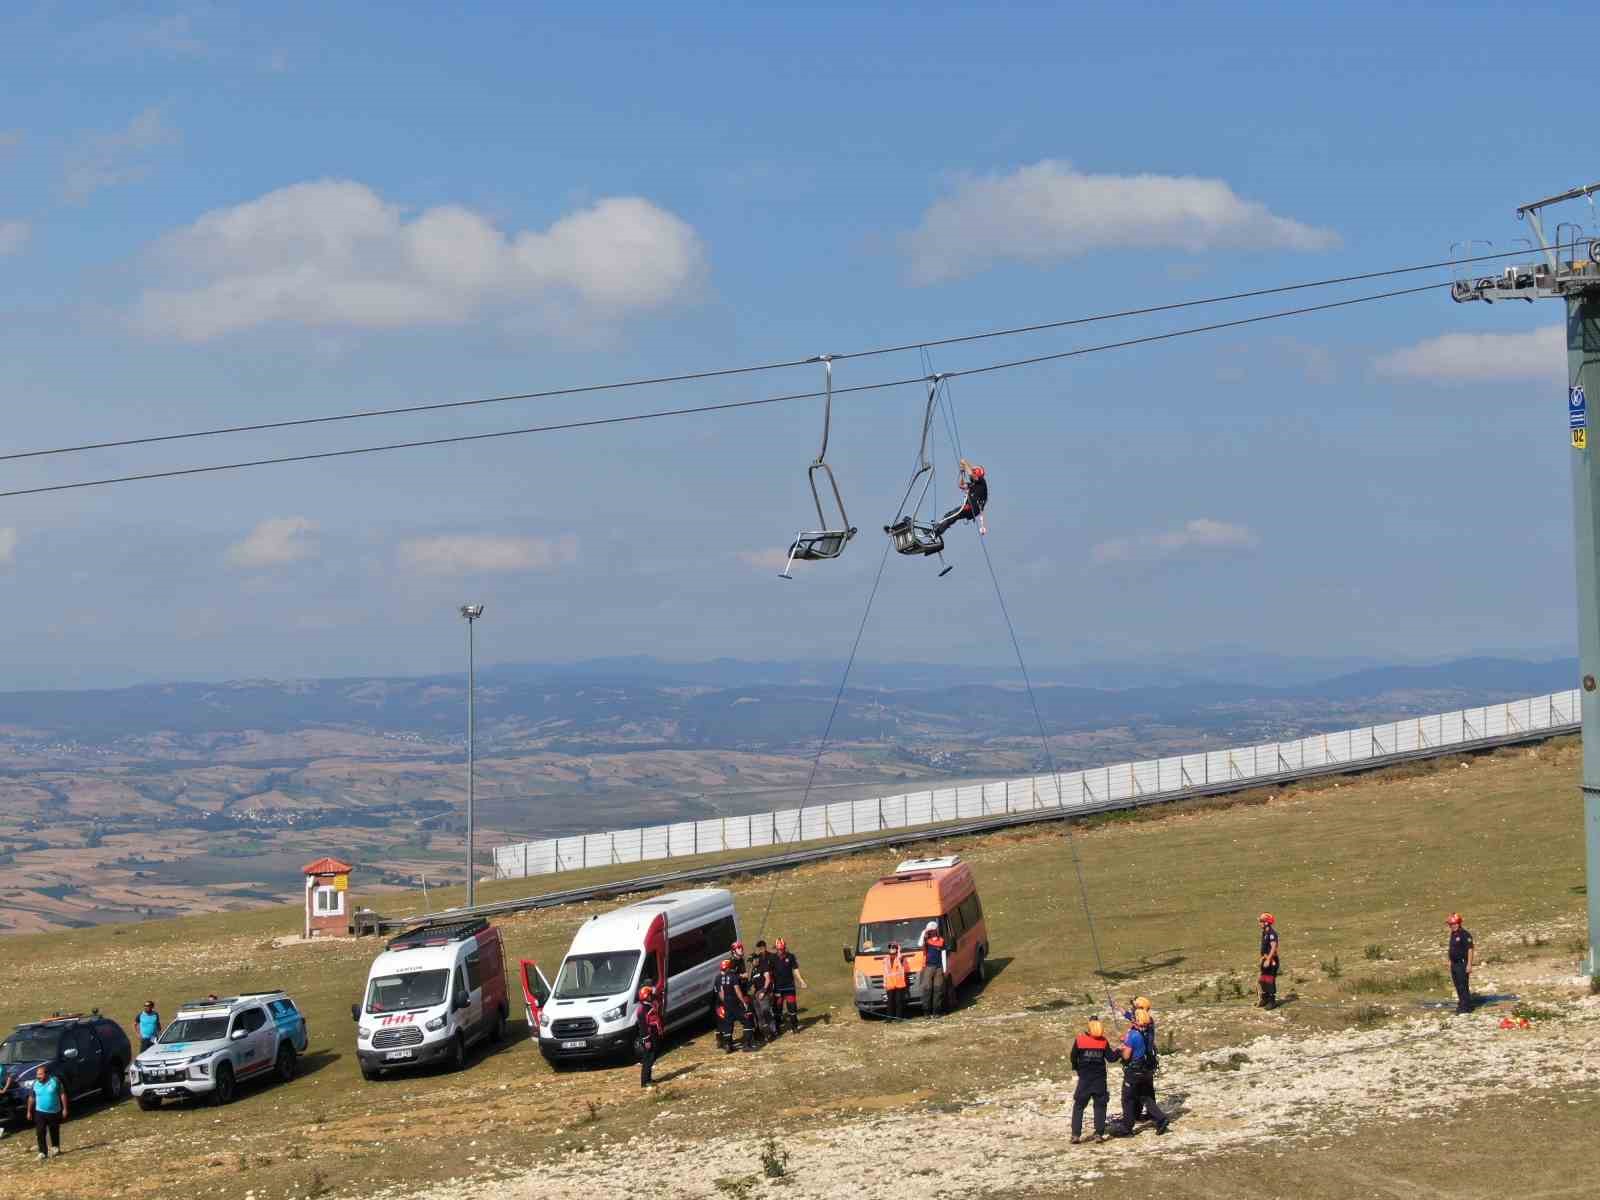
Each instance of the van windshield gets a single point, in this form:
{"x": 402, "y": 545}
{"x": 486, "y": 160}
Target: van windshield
{"x": 584, "y": 975}
{"x": 416, "y": 989}
{"x": 875, "y": 936}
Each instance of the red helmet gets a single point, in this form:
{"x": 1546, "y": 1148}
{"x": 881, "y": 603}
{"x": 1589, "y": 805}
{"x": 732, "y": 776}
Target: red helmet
{"x": 976, "y": 472}
{"x": 646, "y": 992}
{"x": 727, "y": 964}
{"x": 738, "y": 947}
{"x": 1455, "y": 919}
{"x": 1267, "y": 919}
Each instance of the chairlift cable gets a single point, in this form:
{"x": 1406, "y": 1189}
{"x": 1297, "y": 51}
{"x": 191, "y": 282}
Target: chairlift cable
{"x": 756, "y": 368}
{"x": 457, "y": 439}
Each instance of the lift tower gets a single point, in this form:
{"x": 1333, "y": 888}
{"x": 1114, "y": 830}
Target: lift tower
{"x": 1569, "y": 270}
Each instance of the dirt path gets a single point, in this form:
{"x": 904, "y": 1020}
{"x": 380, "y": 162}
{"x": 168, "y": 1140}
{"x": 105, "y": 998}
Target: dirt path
{"x": 1267, "y": 1090}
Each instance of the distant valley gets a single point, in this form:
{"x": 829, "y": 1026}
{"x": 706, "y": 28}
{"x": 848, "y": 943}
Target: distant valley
{"x": 172, "y": 798}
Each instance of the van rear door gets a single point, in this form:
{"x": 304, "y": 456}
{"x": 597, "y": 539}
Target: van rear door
{"x": 535, "y": 993}
{"x": 656, "y": 942}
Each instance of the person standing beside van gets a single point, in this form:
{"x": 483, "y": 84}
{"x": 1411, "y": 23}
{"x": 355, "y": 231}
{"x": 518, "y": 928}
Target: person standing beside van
{"x": 760, "y": 990}
{"x": 733, "y": 1006}
{"x": 935, "y": 969}
{"x": 650, "y": 1033}
{"x": 896, "y": 981}
{"x": 785, "y": 975}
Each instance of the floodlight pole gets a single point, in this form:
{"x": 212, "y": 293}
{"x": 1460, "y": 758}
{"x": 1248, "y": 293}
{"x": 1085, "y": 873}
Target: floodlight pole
{"x": 1570, "y": 271}
{"x": 471, "y": 612}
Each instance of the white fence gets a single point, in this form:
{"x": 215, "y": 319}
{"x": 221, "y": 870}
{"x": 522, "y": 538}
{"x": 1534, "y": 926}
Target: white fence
{"x": 1132, "y": 782}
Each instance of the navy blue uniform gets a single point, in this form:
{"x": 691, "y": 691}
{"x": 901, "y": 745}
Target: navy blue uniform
{"x": 1269, "y": 967}
{"x": 1089, "y": 1054}
{"x": 1139, "y": 1085}
{"x": 1460, "y": 949}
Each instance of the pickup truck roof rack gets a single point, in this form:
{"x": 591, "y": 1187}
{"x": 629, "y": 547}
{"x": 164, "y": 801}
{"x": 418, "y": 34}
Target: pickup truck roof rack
{"x": 438, "y": 935}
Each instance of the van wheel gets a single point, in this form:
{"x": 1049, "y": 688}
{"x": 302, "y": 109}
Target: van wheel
{"x": 981, "y": 971}
{"x": 223, "y": 1092}
{"x": 458, "y": 1053}
{"x": 287, "y": 1063}
{"x": 498, "y": 1033}
{"x": 370, "y": 1073}
{"x": 864, "y": 1014}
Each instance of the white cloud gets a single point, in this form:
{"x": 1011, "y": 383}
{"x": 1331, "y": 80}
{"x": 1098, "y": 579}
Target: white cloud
{"x": 8, "y": 546}
{"x": 453, "y": 554}
{"x": 1048, "y": 211}
{"x": 334, "y": 253}
{"x": 107, "y": 159}
{"x": 13, "y": 236}
{"x": 1534, "y": 354}
{"x": 1200, "y": 534}
{"x": 275, "y": 542}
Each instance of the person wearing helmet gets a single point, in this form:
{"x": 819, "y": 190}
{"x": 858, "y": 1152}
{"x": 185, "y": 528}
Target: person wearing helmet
{"x": 647, "y": 1041}
{"x": 732, "y": 1005}
{"x": 1141, "y": 1004}
{"x": 1089, "y": 1054}
{"x": 935, "y": 969}
{"x": 1463, "y": 956}
{"x": 974, "y": 481}
{"x": 759, "y": 986}
{"x": 785, "y": 976}
{"x": 896, "y": 982}
{"x": 1268, "y": 978}
{"x": 1139, "y": 1067}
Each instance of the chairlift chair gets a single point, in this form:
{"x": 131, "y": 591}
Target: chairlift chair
{"x": 829, "y": 540}
{"x": 910, "y": 535}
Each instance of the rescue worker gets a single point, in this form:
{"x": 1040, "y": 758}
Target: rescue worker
{"x": 1268, "y": 978}
{"x": 935, "y": 969}
{"x": 785, "y": 975}
{"x": 896, "y": 980}
{"x": 1463, "y": 957}
{"x": 759, "y": 987}
{"x": 1142, "y": 1004}
{"x": 736, "y": 957}
{"x": 1089, "y": 1054}
{"x": 975, "y": 484}
{"x": 732, "y": 1006}
{"x": 1139, "y": 1066}
{"x": 648, "y": 1038}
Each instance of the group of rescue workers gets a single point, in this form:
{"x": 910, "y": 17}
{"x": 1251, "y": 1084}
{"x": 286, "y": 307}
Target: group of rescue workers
{"x": 757, "y": 993}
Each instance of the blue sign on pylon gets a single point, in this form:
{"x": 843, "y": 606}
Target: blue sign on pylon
{"x": 1577, "y": 408}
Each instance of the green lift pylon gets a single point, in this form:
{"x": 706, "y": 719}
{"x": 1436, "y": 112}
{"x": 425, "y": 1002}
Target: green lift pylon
{"x": 1570, "y": 271}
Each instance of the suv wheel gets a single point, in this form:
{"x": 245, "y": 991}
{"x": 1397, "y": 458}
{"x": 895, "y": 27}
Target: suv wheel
{"x": 287, "y": 1063}
{"x": 223, "y": 1092}
{"x": 115, "y": 1083}
{"x": 458, "y": 1053}
{"x": 149, "y": 1103}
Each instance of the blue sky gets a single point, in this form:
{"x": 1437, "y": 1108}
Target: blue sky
{"x": 217, "y": 214}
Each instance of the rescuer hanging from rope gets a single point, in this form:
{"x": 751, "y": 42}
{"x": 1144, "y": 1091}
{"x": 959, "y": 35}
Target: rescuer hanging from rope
{"x": 975, "y": 483}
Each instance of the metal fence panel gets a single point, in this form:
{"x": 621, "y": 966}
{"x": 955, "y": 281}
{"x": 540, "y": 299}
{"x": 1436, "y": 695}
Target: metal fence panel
{"x": 1131, "y": 782}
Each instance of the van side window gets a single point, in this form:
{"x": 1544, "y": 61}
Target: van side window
{"x": 474, "y": 971}
{"x": 649, "y": 974}
{"x": 461, "y": 983}
{"x": 699, "y": 945}
{"x": 955, "y": 925}
{"x": 971, "y": 910}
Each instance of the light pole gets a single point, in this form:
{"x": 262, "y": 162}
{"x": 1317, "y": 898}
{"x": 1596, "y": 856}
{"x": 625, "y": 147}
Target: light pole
{"x": 471, "y": 612}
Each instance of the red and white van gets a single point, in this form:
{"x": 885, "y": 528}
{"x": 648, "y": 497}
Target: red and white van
{"x": 432, "y": 994}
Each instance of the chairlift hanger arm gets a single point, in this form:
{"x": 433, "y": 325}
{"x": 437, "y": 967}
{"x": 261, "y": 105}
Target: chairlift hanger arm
{"x": 1530, "y": 213}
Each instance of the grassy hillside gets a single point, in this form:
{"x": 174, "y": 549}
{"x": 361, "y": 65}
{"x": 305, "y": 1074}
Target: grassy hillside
{"x": 1360, "y": 873}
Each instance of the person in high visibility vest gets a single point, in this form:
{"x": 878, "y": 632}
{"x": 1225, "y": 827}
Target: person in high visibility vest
{"x": 896, "y": 981}
{"x": 935, "y": 970}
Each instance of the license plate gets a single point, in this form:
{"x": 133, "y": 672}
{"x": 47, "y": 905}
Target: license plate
{"x": 398, "y": 1054}
{"x": 166, "y": 1091}
{"x": 573, "y": 1045}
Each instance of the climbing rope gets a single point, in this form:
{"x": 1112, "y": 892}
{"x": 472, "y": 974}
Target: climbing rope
{"x": 827, "y": 730}
{"x": 948, "y": 408}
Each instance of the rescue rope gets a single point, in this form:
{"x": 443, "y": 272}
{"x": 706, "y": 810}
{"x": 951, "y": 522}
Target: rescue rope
{"x": 1033, "y": 701}
{"x": 827, "y": 730}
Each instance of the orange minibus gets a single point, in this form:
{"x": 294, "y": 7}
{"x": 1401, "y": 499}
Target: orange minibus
{"x": 898, "y": 908}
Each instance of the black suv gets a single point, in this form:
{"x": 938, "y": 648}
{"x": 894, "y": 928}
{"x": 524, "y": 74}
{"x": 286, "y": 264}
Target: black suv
{"x": 89, "y": 1055}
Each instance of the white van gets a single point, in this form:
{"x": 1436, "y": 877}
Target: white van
{"x": 590, "y": 1010}
{"x": 430, "y": 995}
